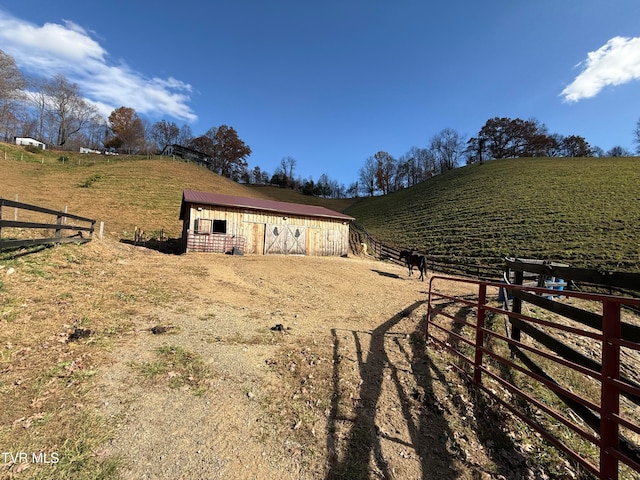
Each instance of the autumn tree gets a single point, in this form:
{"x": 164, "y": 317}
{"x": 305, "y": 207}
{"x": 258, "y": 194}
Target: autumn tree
{"x": 128, "y": 130}
{"x": 228, "y": 152}
{"x": 202, "y": 144}
{"x": 11, "y": 84}
{"x": 385, "y": 166}
{"x": 509, "y": 138}
{"x": 576, "y": 146}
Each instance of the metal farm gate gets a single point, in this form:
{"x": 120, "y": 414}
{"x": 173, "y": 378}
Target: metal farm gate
{"x": 591, "y": 393}
{"x": 285, "y": 239}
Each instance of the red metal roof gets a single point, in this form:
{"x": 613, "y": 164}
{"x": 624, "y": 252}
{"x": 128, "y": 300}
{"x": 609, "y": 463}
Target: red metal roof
{"x": 205, "y": 198}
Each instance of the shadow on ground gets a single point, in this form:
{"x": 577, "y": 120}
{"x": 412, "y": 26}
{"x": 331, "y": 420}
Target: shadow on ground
{"x": 439, "y": 411}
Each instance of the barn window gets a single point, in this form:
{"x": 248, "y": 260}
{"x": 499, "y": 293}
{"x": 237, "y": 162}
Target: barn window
{"x": 219, "y": 226}
{"x": 203, "y": 225}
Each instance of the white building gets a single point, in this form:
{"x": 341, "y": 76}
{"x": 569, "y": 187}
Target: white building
{"x": 30, "y": 141}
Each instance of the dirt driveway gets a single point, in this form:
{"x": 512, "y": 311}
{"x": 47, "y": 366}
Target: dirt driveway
{"x": 343, "y": 390}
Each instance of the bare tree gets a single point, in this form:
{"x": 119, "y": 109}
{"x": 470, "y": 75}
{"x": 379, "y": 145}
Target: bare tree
{"x": 164, "y": 133}
{"x": 11, "y": 84}
{"x": 447, "y": 147}
{"x": 367, "y": 176}
{"x": 185, "y": 135}
{"x": 636, "y": 137}
{"x": 69, "y": 110}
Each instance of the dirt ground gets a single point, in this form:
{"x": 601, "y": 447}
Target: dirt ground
{"x": 312, "y": 368}
{"x": 381, "y": 414}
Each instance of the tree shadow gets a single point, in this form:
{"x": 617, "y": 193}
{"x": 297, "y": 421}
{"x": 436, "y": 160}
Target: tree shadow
{"x": 171, "y": 246}
{"x": 17, "y": 252}
{"x": 429, "y": 432}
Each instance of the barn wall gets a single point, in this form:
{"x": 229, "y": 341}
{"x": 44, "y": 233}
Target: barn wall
{"x": 322, "y": 236}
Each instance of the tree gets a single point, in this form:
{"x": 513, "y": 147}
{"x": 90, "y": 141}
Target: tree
{"x": 447, "y": 147}
{"x": 636, "y": 137}
{"x": 69, "y": 112}
{"x": 185, "y": 135}
{"x": 164, "y": 133}
{"x": 510, "y": 138}
{"x": 202, "y": 144}
{"x": 229, "y": 153}
{"x": 288, "y": 165}
{"x": 618, "y": 151}
{"x": 127, "y": 128}
{"x": 385, "y": 166}
{"x": 11, "y": 85}
{"x": 576, "y": 146}
{"x": 367, "y": 176}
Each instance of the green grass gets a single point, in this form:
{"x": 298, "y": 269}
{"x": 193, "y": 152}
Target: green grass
{"x": 179, "y": 367}
{"x": 581, "y": 211}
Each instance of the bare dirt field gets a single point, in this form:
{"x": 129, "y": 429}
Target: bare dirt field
{"x": 260, "y": 367}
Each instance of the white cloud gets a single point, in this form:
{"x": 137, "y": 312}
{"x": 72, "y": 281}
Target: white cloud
{"x": 68, "y": 49}
{"x": 615, "y": 63}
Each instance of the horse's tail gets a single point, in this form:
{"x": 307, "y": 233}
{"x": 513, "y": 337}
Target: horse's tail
{"x": 423, "y": 267}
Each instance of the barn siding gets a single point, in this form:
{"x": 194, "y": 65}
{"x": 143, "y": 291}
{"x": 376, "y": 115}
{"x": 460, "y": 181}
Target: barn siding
{"x": 324, "y": 236}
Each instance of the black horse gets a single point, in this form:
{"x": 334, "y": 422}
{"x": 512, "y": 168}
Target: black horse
{"x": 414, "y": 259}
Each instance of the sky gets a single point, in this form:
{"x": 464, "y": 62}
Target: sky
{"x": 331, "y": 83}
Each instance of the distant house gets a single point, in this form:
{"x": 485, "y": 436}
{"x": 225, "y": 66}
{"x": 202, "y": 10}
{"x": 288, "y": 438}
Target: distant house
{"x": 88, "y": 150}
{"x": 185, "y": 153}
{"x": 226, "y": 223}
{"x": 30, "y": 141}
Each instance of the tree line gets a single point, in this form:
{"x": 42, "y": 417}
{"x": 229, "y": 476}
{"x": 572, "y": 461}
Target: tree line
{"x": 53, "y": 110}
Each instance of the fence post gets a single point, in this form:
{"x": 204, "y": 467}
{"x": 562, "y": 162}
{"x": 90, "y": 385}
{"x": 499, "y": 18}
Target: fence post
{"x": 58, "y": 229}
{"x": 516, "y": 306}
{"x": 609, "y": 396}
{"x": 477, "y": 363}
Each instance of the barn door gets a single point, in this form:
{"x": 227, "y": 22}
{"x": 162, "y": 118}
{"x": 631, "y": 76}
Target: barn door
{"x": 285, "y": 239}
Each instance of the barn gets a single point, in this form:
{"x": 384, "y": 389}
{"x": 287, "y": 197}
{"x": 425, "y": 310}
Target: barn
{"x": 218, "y": 223}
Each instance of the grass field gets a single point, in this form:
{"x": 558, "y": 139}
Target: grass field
{"x": 581, "y": 211}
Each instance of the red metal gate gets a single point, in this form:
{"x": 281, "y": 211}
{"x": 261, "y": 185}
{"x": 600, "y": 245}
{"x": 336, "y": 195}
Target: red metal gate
{"x": 606, "y": 412}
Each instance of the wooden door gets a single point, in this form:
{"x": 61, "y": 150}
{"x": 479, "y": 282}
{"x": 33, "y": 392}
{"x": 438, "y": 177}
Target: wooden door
{"x": 284, "y": 239}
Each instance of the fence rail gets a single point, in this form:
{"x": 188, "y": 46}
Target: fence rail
{"x": 60, "y": 226}
{"x": 602, "y": 410}
{"x": 440, "y": 264}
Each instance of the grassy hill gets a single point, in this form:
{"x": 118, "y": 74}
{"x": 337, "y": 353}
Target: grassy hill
{"x": 582, "y": 211}
{"x": 122, "y": 191}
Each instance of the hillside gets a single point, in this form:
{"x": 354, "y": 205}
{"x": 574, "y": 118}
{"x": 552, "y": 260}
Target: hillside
{"x": 124, "y": 192}
{"x": 582, "y": 211}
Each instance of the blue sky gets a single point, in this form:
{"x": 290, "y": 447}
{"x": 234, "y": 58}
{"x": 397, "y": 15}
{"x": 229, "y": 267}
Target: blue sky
{"x": 331, "y": 83}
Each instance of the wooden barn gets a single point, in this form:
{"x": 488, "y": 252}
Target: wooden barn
{"x": 231, "y": 224}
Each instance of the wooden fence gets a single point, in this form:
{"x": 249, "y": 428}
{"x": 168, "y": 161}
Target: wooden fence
{"x": 62, "y": 231}
{"x": 440, "y": 264}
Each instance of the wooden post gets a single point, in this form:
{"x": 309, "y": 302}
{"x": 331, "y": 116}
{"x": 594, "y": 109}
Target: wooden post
{"x": 15, "y": 210}
{"x": 58, "y": 229}
{"x": 517, "y": 305}
{"x": 101, "y": 230}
